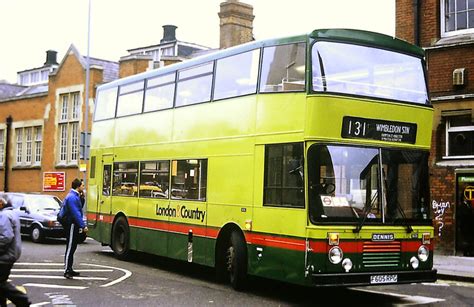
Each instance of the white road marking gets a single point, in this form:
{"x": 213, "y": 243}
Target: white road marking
{"x": 127, "y": 274}
{"x": 56, "y": 277}
{"x": 40, "y": 304}
{"x": 60, "y": 270}
{"x": 40, "y": 263}
{"x": 100, "y": 268}
{"x": 435, "y": 284}
{"x": 409, "y": 299}
{"x": 54, "y": 286}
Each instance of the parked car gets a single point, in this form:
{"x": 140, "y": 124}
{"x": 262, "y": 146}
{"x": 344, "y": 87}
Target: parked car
{"x": 38, "y": 215}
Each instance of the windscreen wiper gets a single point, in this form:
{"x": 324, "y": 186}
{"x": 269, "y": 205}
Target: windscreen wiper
{"x": 367, "y": 208}
{"x": 404, "y": 217}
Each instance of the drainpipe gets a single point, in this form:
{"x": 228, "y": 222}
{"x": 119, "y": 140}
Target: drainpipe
{"x": 416, "y": 21}
{"x": 9, "y": 121}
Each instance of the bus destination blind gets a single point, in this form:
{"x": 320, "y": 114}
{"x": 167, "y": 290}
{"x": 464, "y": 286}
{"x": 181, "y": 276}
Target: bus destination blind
{"x": 381, "y": 130}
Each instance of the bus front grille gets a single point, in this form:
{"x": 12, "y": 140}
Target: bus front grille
{"x": 381, "y": 254}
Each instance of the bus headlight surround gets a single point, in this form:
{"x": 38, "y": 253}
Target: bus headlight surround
{"x": 423, "y": 253}
{"x": 347, "y": 265}
{"x": 335, "y": 255}
{"x": 414, "y": 262}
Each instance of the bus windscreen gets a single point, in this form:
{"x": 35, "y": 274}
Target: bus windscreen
{"x": 368, "y": 71}
{"x": 346, "y": 185}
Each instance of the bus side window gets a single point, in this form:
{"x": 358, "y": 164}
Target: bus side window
{"x": 106, "y": 102}
{"x": 154, "y": 179}
{"x": 106, "y": 180}
{"x": 284, "y": 175}
{"x": 283, "y": 68}
{"x": 125, "y": 179}
{"x": 194, "y": 85}
{"x": 237, "y": 75}
{"x": 189, "y": 179}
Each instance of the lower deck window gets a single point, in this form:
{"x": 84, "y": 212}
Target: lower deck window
{"x": 284, "y": 176}
{"x": 189, "y": 179}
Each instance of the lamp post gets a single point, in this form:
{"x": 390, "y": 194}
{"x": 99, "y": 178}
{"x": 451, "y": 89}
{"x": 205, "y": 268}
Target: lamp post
{"x": 87, "y": 94}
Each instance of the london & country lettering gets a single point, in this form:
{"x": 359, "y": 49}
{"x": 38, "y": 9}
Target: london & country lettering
{"x": 181, "y": 212}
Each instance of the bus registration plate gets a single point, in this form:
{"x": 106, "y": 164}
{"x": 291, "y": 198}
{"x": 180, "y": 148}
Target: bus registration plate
{"x": 383, "y": 279}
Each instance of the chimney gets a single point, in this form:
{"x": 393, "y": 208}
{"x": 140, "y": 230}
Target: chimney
{"x": 236, "y": 23}
{"x": 169, "y": 33}
{"x": 51, "y": 58}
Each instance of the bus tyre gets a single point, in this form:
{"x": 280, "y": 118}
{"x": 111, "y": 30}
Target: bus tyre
{"x": 236, "y": 261}
{"x": 121, "y": 239}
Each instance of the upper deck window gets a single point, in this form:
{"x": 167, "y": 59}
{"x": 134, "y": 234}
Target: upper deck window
{"x": 159, "y": 93}
{"x": 367, "y": 71}
{"x": 130, "y": 100}
{"x": 283, "y": 68}
{"x": 105, "y": 103}
{"x": 237, "y": 75}
{"x": 194, "y": 85}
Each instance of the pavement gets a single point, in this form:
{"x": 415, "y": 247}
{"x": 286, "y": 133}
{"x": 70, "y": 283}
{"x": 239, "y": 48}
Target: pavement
{"x": 454, "y": 267}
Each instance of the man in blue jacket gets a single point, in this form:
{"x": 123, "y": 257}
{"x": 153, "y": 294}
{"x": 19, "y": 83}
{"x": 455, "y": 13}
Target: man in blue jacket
{"x": 74, "y": 225}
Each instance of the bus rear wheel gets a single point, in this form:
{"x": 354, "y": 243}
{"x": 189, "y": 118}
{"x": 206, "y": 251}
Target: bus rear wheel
{"x": 236, "y": 261}
{"x": 121, "y": 239}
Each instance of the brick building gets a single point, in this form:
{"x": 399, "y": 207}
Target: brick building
{"x": 445, "y": 29}
{"x": 40, "y": 124}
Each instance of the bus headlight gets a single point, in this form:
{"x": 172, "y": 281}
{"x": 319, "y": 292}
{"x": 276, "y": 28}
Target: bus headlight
{"x": 335, "y": 255}
{"x": 414, "y": 262}
{"x": 347, "y": 265}
{"x": 423, "y": 253}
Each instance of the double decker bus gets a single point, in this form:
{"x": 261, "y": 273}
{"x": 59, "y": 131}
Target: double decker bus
{"x": 302, "y": 159}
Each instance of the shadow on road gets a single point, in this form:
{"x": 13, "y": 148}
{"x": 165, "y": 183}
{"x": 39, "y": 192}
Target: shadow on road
{"x": 271, "y": 289}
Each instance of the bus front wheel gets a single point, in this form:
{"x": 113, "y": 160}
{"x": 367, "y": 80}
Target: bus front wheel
{"x": 121, "y": 238}
{"x": 236, "y": 261}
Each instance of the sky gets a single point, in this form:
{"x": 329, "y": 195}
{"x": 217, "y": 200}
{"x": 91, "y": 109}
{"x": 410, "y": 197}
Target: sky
{"x": 30, "y": 27}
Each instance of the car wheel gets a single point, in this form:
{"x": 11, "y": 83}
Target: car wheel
{"x": 37, "y": 235}
{"x": 121, "y": 239}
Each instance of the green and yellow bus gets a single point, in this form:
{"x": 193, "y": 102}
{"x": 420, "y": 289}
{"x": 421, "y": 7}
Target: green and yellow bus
{"x": 302, "y": 159}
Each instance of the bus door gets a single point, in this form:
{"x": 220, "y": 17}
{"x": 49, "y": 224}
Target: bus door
{"x": 104, "y": 208}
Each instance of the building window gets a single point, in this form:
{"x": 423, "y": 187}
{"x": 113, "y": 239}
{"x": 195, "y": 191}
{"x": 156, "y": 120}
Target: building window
{"x": 2, "y": 147}
{"x": 24, "y": 79}
{"x": 68, "y": 127}
{"x": 44, "y": 76}
{"x": 460, "y": 136}
{"x": 35, "y": 77}
{"x": 37, "y": 146}
{"x": 457, "y": 17}
{"x": 284, "y": 175}
{"x": 28, "y": 146}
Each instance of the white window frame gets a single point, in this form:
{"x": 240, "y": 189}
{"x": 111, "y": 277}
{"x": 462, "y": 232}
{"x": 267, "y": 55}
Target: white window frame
{"x": 2, "y": 146}
{"x": 38, "y": 133}
{"x": 28, "y": 152}
{"x": 450, "y": 129}
{"x": 444, "y": 32}
{"x": 69, "y": 115}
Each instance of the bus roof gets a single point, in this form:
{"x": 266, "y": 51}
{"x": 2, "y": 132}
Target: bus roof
{"x": 367, "y": 38}
{"x": 345, "y": 35}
